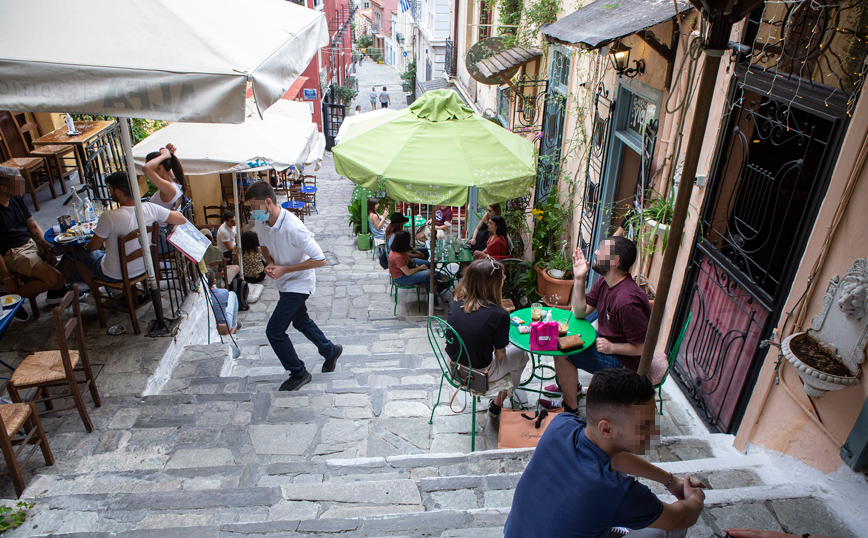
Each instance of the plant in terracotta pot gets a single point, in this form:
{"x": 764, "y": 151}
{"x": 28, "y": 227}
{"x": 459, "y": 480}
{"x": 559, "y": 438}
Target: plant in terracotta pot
{"x": 550, "y": 221}
{"x": 559, "y": 265}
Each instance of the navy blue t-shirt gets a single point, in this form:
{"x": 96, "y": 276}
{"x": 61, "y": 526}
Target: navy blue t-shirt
{"x": 570, "y": 490}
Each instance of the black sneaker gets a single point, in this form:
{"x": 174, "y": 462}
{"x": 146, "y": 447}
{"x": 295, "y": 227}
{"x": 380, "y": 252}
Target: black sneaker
{"x": 54, "y": 297}
{"x": 238, "y": 325}
{"x": 329, "y": 364}
{"x": 21, "y": 315}
{"x": 295, "y": 383}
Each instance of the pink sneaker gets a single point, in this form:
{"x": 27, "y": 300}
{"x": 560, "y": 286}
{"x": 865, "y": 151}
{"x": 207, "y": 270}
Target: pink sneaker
{"x": 555, "y": 389}
{"x": 549, "y": 404}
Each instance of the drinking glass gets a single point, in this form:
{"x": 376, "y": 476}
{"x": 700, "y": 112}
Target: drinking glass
{"x": 536, "y": 311}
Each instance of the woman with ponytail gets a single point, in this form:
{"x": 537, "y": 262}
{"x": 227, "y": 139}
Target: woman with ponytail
{"x": 164, "y": 170}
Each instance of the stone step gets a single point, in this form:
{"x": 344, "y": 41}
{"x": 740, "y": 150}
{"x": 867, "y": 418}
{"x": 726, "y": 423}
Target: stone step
{"x": 469, "y": 505}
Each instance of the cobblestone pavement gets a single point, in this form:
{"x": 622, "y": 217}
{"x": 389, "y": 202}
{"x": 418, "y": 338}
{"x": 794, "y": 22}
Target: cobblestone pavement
{"x": 375, "y": 75}
{"x": 220, "y": 452}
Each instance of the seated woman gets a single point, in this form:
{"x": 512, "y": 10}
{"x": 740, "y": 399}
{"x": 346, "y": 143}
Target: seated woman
{"x": 478, "y": 316}
{"x": 254, "y": 269}
{"x": 405, "y": 272}
{"x": 396, "y": 224}
{"x": 498, "y": 245}
{"x": 479, "y": 240}
{"x": 376, "y": 222}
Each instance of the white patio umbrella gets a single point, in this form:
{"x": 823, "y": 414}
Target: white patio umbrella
{"x": 284, "y": 136}
{"x": 176, "y": 60}
{"x": 281, "y": 138}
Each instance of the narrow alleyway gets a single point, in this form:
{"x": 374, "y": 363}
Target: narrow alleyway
{"x": 220, "y": 452}
{"x": 374, "y": 75}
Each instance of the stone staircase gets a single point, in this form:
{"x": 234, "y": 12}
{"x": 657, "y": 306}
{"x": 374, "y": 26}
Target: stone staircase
{"x": 219, "y": 452}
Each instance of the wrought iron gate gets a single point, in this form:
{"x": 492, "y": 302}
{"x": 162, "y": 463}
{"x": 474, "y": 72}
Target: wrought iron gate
{"x": 552, "y": 134}
{"x": 332, "y": 117}
{"x": 602, "y": 126}
{"x": 771, "y": 172}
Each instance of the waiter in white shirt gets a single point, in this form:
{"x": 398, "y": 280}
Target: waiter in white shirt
{"x": 291, "y": 255}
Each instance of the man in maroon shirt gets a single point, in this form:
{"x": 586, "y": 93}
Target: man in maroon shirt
{"x": 623, "y": 311}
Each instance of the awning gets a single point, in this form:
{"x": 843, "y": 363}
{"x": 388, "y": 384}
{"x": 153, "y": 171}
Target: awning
{"x": 597, "y": 24}
{"x": 509, "y": 60}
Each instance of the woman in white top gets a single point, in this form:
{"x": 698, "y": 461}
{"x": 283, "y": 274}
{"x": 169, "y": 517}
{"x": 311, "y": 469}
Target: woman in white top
{"x": 165, "y": 172}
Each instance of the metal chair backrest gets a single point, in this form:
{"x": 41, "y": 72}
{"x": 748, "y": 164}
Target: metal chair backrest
{"x": 440, "y": 334}
{"x": 674, "y": 353}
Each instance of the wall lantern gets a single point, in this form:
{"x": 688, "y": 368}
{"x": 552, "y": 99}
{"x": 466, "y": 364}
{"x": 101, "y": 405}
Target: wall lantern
{"x": 619, "y": 55}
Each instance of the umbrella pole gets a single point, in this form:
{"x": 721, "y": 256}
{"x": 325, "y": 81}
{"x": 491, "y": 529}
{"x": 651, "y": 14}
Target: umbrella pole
{"x": 431, "y": 288}
{"x": 237, "y": 223}
{"x": 160, "y": 326}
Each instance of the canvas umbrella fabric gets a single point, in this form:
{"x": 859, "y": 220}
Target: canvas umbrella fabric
{"x": 280, "y": 138}
{"x": 175, "y": 60}
{"x": 432, "y": 153}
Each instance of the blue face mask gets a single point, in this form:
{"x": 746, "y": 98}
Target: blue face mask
{"x": 259, "y": 214}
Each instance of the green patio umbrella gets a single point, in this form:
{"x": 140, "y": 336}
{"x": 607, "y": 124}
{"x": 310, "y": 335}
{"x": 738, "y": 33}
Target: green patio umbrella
{"x": 432, "y": 153}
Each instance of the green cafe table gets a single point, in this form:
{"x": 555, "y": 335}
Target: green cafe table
{"x": 543, "y": 372}
{"x": 443, "y": 263}
{"x": 420, "y": 221}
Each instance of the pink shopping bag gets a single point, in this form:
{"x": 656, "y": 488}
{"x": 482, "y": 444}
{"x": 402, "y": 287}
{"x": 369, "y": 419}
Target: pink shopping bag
{"x": 544, "y": 336}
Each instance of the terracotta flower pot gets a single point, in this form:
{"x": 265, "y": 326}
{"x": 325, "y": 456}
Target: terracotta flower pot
{"x": 553, "y": 291}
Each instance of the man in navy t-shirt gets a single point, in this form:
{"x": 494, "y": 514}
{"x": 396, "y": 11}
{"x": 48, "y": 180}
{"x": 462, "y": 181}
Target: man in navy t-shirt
{"x": 623, "y": 311}
{"x": 591, "y": 469}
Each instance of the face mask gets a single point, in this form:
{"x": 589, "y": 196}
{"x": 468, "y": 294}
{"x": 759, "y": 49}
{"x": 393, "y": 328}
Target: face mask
{"x": 259, "y": 214}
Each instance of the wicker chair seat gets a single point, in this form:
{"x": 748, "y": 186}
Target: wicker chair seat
{"x": 13, "y": 416}
{"x": 23, "y": 162}
{"x": 44, "y": 151}
{"x": 42, "y": 367}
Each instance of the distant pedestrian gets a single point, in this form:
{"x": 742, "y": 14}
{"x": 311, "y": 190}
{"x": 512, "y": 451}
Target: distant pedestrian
{"x": 291, "y": 255}
{"x": 385, "y": 100}
{"x": 374, "y": 98}
{"x": 358, "y": 110}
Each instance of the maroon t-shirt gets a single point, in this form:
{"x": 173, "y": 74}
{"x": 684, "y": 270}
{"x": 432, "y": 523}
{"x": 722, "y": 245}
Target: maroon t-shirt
{"x": 623, "y": 312}
{"x": 442, "y": 214}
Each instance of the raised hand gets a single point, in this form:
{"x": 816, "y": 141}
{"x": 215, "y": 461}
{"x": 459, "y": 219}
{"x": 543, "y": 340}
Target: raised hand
{"x": 581, "y": 266}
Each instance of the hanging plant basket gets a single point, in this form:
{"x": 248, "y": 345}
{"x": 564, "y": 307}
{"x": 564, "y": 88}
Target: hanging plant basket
{"x": 817, "y": 364}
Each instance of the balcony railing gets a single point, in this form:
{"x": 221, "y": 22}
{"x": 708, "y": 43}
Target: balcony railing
{"x": 449, "y": 61}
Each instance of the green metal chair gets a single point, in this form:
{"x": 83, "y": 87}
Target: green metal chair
{"x": 394, "y": 287}
{"x": 440, "y": 334}
{"x": 657, "y": 365}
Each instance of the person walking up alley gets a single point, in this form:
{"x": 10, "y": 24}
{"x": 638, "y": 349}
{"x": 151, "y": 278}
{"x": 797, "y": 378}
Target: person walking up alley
{"x": 291, "y": 255}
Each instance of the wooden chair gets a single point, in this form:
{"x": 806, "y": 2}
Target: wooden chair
{"x": 661, "y": 363}
{"x": 132, "y": 301}
{"x": 20, "y": 158}
{"x": 440, "y": 334}
{"x": 61, "y": 367}
{"x": 55, "y": 154}
{"x": 34, "y": 308}
{"x": 310, "y": 198}
{"x": 212, "y": 212}
{"x": 12, "y": 418}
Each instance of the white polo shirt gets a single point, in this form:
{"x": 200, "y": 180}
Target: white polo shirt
{"x": 289, "y": 242}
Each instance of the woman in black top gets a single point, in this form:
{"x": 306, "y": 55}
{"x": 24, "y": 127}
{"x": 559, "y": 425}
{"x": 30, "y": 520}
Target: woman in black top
{"x": 478, "y": 316}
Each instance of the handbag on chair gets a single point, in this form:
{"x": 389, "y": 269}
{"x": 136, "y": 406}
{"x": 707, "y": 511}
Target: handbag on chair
{"x": 544, "y": 336}
{"x": 478, "y": 381}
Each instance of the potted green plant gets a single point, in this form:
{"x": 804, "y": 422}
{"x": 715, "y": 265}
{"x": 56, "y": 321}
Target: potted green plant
{"x": 550, "y": 222}
{"x": 654, "y": 220}
{"x": 559, "y": 265}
